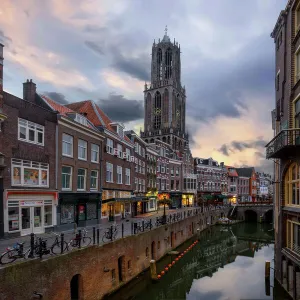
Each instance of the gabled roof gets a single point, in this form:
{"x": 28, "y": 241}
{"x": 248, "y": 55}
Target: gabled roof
{"x": 245, "y": 172}
{"x": 95, "y": 115}
{"x": 232, "y": 173}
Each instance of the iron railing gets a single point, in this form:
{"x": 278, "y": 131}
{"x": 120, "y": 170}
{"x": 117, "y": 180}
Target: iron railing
{"x": 288, "y": 137}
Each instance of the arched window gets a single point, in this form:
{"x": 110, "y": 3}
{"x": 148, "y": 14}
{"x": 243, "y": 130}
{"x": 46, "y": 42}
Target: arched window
{"x": 168, "y": 63}
{"x": 159, "y": 64}
{"x": 157, "y": 110}
{"x": 165, "y": 109}
{"x": 292, "y": 185}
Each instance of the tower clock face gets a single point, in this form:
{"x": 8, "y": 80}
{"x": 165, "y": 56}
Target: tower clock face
{"x": 157, "y": 111}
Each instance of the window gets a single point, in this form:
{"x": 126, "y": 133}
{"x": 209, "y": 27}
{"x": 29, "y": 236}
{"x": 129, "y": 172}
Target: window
{"x": 297, "y": 114}
{"x": 120, "y": 131}
{"x": 95, "y": 153}
{"x": 163, "y": 169}
{"x": 128, "y": 154}
{"x": 120, "y": 149}
{"x": 94, "y": 180}
{"x": 297, "y": 65}
{"x": 127, "y": 176}
{"x": 81, "y": 119}
{"x": 293, "y": 236}
{"x": 291, "y": 185}
{"x": 136, "y": 147}
{"x": 30, "y": 132}
{"x": 109, "y": 172}
{"x": 82, "y": 150}
{"x": 109, "y": 146}
{"x": 136, "y": 182}
{"x": 119, "y": 175}
{"x": 81, "y": 180}
{"x": 66, "y": 178}
{"x": 29, "y": 173}
{"x": 67, "y": 145}
{"x": 297, "y": 18}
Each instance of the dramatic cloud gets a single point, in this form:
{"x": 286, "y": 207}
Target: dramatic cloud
{"x": 58, "y": 97}
{"x": 102, "y": 49}
{"x": 121, "y": 109}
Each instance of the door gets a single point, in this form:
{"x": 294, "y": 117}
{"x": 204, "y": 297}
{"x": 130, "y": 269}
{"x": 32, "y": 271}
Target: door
{"x": 32, "y": 221}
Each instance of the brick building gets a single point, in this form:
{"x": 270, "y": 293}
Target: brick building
{"x": 251, "y": 175}
{"x": 211, "y": 177}
{"x": 264, "y": 186}
{"x": 27, "y": 138}
{"x": 151, "y": 166}
{"x": 284, "y": 147}
{"x": 139, "y": 176}
{"x": 232, "y": 178}
{"x": 243, "y": 188}
{"x": 118, "y": 157}
{"x": 79, "y": 144}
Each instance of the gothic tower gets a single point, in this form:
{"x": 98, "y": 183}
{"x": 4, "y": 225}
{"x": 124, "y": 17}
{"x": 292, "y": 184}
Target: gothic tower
{"x": 165, "y": 99}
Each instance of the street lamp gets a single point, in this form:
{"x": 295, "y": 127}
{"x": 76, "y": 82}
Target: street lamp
{"x": 2, "y": 167}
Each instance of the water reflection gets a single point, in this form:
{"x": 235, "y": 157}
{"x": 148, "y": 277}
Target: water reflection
{"x": 227, "y": 263}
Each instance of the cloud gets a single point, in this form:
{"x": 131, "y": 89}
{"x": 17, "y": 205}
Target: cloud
{"x": 120, "y": 109}
{"x": 96, "y": 48}
{"x": 224, "y": 150}
{"x": 58, "y": 97}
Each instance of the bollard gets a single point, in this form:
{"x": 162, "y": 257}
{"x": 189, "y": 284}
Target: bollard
{"x": 153, "y": 269}
{"x": 94, "y": 235}
{"x": 134, "y": 227}
{"x": 131, "y": 227}
{"x": 150, "y": 224}
{"x": 79, "y": 238}
{"x": 267, "y": 269}
{"x": 62, "y": 243}
{"x": 31, "y": 254}
{"x": 184, "y": 214}
{"x": 267, "y": 286}
{"x": 111, "y": 233}
{"x": 143, "y": 225}
{"x": 122, "y": 230}
{"x": 98, "y": 236}
{"x": 40, "y": 248}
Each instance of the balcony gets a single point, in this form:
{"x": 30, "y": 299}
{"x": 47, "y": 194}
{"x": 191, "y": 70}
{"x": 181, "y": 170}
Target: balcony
{"x": 285, "y": 144}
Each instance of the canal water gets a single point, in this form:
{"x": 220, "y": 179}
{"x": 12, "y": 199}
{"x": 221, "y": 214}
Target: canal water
{"x": 228, "y": 263}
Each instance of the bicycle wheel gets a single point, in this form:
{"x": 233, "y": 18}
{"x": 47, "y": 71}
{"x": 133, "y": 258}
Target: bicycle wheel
{"x": 115, "y": 234}
{"x": 8, "y": 257}
{"x": 105, "y": 238}
{"x": 86, "y": 240}
{"x": 56, "y": 248}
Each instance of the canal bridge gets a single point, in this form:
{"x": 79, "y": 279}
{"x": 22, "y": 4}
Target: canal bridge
{"x": 253, "y": 211}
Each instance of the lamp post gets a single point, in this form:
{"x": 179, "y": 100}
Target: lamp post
{"x": 2, "y": 167}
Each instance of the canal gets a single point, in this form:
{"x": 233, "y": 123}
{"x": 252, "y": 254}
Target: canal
{"x": 228, "y": 263}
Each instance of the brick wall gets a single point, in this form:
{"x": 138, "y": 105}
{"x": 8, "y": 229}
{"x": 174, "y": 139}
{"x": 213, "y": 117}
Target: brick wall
{"x": 95, "y": 264}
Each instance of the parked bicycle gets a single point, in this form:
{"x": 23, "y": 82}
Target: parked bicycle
{"x": 56, "y": 246}
{"x": 14, "y": 253}
{"x": 110, "y": 233}
{"x": 77, "y": 241}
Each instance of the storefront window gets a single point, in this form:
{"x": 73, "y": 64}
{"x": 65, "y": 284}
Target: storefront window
{"x": 48, "y": 215}
{"x": 81, "y": 212}
{"x": 127, "y": 207}
{"x": 67, "y": 213}
{"x": 91, "y": 211}
{"x": 104, "y": 210}
{"x": 13, "y": 218}
{"x": 151, "y": 203}
{"x": 117, "y": 208}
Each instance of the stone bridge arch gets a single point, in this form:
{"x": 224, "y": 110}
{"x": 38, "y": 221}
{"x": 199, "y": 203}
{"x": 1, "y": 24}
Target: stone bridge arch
{"x": 268, "y": 216}
{"x": 251, "y": 215}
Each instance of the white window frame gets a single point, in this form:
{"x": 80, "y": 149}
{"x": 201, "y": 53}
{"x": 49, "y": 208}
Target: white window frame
{"x": 119, "y": 175}
{"x": 110, "y": 169}
{"x": 84, "y": 177}
{"x": 136, "y": 147}
{"x": 29, "y": 165}
{"x": 64, "y": 141}
{"x": 94, "y": 177}
{"x": 128, "y": 154}
{"x": 109, "y": 146}
{"x": 120, "y": 150}
{"x": 84, "y": 147}
{"x": 96, "y": 150}
{"x": 27, "y": 125}
{"x": 71, "y": 173}
{"x": 127, "y": 176}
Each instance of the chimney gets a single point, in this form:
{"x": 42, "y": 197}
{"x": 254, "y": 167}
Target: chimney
{"x": 1, "y": 69}
{"x": 29, "y": 90}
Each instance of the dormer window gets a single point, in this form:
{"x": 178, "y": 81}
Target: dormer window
{"x": 119, "y": 128}
{"x": 78, "y": 118}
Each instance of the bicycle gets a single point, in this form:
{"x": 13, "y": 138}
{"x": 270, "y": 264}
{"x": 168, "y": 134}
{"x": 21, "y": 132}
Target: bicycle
{"x": 14, "y": 253}
{"x": 84, "y": 241}
{"x": 56, "y": 246}
{"x": 110, "y": 234}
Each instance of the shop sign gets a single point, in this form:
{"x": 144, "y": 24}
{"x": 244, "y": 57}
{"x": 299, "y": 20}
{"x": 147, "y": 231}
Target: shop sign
{"x": 31, "y": 203}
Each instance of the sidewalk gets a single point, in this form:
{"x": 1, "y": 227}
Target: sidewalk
{"x": 69, "y": 234}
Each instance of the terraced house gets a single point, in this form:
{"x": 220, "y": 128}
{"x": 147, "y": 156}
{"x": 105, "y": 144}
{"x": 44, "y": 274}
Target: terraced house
{"x": 284, "y": 147}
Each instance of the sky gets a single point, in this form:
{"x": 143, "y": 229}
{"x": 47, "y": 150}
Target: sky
{"x": 76, "y": 50}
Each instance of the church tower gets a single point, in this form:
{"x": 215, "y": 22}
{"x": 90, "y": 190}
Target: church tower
{"x": 165, "y": 98}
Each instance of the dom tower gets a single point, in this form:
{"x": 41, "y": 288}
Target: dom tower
{"x": 165, "y": 98}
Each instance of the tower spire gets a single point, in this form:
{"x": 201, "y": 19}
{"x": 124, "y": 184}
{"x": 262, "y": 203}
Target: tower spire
{"x": 166, "y": 30}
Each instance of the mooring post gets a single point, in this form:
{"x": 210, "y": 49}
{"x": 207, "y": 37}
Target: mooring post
{"x": 153, "y": 269}
{"x": 267, "y": 269}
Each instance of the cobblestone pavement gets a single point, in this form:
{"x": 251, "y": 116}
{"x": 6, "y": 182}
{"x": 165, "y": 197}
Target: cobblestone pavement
{"x": 127, "y": 224}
